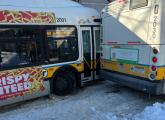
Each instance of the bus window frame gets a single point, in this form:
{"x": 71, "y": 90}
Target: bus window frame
{"x": 52, "y": 27}
{"x": 133, "y": 8}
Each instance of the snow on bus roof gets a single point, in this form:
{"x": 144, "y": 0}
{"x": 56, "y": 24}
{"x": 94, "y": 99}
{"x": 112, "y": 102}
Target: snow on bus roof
{"x": 39, "y": 3}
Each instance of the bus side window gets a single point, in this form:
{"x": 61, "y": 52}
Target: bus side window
{"x": 138, "y": 3}
{"x": 19, "y": 46}
{"x": 62, "y": 44}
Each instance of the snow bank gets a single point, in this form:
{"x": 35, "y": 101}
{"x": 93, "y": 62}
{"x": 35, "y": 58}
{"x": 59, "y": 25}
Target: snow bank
{"x": 155, "y": 112}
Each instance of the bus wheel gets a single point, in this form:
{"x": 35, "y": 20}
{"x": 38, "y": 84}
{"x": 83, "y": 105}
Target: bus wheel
{"x": 64, "y": 83}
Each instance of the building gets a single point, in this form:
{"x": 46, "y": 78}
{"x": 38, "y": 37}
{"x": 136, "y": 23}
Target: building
{"x": 97, "y": 4}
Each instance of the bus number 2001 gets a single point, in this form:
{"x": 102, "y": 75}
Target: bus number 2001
{"x": 61, "y": 20}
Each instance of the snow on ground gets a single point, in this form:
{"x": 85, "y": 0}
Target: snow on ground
{"x": 155, "y": 112}
{"x": 103, "y": 101}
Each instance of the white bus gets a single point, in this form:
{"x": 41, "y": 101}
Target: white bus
{"x": 133, "y": 44}
{"x": 46, "y": 46}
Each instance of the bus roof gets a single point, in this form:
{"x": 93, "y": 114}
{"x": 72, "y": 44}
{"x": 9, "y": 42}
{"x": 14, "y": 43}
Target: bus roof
{"x": 59, "y": 12}
{"x": 39, "y": 3}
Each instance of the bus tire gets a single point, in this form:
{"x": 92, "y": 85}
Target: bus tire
{"x": 64, "y": 83}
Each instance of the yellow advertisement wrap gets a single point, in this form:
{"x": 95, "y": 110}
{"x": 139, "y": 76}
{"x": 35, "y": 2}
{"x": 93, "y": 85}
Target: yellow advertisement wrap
{"x": 7, "y": 16}
{"x": 19, "y": 82}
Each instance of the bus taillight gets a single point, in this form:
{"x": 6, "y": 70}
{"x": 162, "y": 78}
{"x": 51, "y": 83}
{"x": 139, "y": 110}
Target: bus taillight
{"x": 155, "y": 51}
{"x": 154, "y": 59}
{"x": 153, "y": 68}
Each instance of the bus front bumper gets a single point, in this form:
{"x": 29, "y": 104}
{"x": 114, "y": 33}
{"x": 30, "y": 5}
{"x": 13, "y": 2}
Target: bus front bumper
{"x": 155, "y": 88}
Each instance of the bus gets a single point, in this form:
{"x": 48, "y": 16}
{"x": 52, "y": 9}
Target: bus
{"x": 46, "y": 47}
{"x": 133, "y": 44}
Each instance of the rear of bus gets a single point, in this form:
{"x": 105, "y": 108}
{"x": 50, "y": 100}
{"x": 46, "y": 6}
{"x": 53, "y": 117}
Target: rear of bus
{"x": 132, "y": 44}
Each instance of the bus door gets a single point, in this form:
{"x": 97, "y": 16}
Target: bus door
{"x": 96, "y": 35}
{"x": 88, "y": 53}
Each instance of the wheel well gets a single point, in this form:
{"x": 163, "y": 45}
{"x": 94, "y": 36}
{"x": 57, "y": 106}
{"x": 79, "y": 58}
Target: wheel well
{"x": 64, "y": 69}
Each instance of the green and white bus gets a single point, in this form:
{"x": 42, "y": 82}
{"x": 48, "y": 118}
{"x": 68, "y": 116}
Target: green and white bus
{"x": 133, "y": 44}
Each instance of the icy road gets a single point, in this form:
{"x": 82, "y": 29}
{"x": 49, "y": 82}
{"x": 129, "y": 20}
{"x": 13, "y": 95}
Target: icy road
{"x": 101, "y": 101}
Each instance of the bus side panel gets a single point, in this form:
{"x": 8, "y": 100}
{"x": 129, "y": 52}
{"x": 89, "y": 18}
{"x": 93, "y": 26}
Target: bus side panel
{"x": 161, "y": 70}
{"x": 11, "y": 101}
{"x": 129, "y": 65}
{"x": 21, "y": 84}
{"x": 162, "y": 5}
{"x": 44, "y": 92}
{"x": 39, "y": 87}
{"x": 137, "y": 22}
{"x": 133, "y": 60}
{"x": 161, "y": 63}
{"x": 154, "y": 29}
{"x": 132, "y": 25}
{"x": 115, "y": 32}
